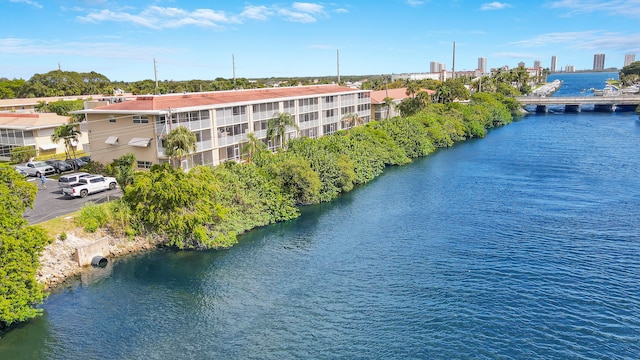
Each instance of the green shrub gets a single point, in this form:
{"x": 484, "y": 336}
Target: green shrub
{"x": 92, "y": 216}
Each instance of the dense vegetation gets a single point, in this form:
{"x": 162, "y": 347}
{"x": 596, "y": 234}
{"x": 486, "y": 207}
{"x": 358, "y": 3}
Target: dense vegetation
{"x": 207, "y": 207}
{"x": 20, "y": 249}
{"x": 630, "y": 74}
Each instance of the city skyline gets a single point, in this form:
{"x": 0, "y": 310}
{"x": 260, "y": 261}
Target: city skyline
{"x": 198, "y": 39}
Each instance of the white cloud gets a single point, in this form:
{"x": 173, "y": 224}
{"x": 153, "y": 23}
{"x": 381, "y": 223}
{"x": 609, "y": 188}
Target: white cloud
{"x": 584, "y": 40}
{"x": 156, "y": 17}
{"x": 628, "y": 8}
{"x": 28, "y": 2}
{"x": 415, "y": 2}
{"x": 297, "y": 16}
{"x": 309, "y": 7}
{"x": 341, "y": 10}
{"x": 494, "y": 6}
{"x": 257, "y": 13}
{"x": 303, "y": 12}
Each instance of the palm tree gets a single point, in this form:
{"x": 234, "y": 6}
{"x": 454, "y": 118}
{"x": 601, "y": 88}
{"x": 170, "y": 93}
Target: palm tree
{"x": 252, "y": 147}
{"x": 412, "y": 88}
{"x": 277, "y": 127}
{"x": 180, "y": 143}
{"x": 351, "y": 120}
{"x": 443, "y": 93}
{"x": 69, "y": 134}
{"x": 388, "y": 102}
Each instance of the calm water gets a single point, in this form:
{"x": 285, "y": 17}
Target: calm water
{"x": 525, "y": 244}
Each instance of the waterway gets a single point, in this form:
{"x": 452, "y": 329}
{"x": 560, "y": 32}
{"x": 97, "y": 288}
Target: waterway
{"x": 521, "y": 245}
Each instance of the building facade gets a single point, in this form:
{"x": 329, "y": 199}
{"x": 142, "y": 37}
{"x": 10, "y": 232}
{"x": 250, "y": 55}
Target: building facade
{"x": 482, "y": 65}
{"x": 629, "y": 58}
{"x": 554, "y": 63}
{"x": 380, "y": 110}
{"x": 220, "y": 120}
{"x": 598, "y": 62}
{"x": 29, "y": 129}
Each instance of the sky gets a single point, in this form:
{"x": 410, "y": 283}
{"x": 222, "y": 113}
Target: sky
{"x": 185, "y": 40}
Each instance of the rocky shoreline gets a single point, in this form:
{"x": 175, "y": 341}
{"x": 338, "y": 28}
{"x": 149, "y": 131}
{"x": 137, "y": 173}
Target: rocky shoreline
{"x": 58, "y": 264}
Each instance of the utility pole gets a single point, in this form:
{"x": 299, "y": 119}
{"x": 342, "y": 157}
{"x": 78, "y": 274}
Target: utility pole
{"x": 338, "y": 63}
{"x": 233, "y": 64}
{"x": 453, "y": 67}
{"x": 155, "y": 74}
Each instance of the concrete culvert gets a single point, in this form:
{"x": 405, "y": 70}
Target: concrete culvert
{"x": 99, "y": 261}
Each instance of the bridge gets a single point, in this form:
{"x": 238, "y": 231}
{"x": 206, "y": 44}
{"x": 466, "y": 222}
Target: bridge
{"x": 574, "y": 103}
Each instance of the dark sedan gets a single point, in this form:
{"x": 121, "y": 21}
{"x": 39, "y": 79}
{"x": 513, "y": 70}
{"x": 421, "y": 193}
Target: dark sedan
{"x": 59, "y": 165}
{"x": 76, "y": 163}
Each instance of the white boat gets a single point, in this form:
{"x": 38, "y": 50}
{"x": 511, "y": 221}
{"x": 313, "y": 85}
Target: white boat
{"x": 609, "y": 90}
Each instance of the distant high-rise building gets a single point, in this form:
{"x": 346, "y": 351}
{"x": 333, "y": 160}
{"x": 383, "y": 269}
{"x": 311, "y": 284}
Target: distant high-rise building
{"x": 441, "y": 67}
{"x": 482, "y": 65}
{"x": 554, "y": 62}
{"x": 536, "y": 64}
{"x": 521, "y": 64}
{"x": 629, "y": 58}
{"x": 434, "y": 67}
{"x": 598, "y": 62}
{"x": 569, "y": 68}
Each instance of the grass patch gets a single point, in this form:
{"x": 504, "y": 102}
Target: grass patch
{"x": 59, "y": 225}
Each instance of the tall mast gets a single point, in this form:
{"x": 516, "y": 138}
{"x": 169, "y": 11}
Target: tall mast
{"x": 233, "y": 63}
{"x": 453, "y": 67}
{"x": 155, "y": 74}
{"x": 338, "y": 63}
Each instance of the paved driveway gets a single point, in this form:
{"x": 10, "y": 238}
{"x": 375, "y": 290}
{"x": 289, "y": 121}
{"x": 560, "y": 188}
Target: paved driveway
{"x": 50, "y": 203}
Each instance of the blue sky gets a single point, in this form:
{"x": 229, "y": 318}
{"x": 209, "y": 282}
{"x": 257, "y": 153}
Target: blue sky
{"x": 196, "y": 39}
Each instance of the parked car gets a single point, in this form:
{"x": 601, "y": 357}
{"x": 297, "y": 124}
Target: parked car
{"x": 69, "y": 180}
{"x": 86, "y": 159}
{"x": 36, "y": 168}
{"x": 60, "y": 166}
{"x": 22, "y": 172}
{"x": 76, "y": 163}
{"x": 89, "y": 185}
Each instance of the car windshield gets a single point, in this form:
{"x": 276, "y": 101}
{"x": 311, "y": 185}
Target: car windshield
{"x": 39, "y": 163}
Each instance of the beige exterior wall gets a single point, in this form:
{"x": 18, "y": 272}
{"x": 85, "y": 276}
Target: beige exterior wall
{"x": 221, "y": 129}
{"x": 101, "y": 129}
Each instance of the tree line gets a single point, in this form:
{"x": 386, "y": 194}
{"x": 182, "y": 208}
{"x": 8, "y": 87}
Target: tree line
{"x": 71, "y": 83}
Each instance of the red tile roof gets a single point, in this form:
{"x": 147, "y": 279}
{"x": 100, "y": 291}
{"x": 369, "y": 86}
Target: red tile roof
{"x": 163, "y": 102}
{"x": 377, "y": 97}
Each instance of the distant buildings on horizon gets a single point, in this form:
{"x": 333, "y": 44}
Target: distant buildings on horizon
{"x": 438, "y": 70}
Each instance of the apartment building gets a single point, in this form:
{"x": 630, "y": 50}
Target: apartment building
{"x": 379, "y": 109}
{"x": 34, "y": 129}
{"x": 220, "y": 120}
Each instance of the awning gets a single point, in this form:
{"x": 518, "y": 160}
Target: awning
{"x": 46, "y": 147}
{"x": 111, "y": 140}
{"x": 141, "y": 142}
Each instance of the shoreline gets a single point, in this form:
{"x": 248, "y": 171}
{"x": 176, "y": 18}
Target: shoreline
{"x": 58, "y": 264}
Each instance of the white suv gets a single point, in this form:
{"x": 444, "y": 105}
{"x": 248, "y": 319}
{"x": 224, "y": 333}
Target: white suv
{"x": 69, "y": 180}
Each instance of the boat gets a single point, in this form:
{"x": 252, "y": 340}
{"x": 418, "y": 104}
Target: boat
{"x": 633, "y": 89}
{"x": 609, "y": 90}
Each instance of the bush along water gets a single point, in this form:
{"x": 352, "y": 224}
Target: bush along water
{"x": 208, "y": 207}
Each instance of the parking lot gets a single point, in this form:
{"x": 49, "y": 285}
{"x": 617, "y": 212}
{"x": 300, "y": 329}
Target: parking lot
{"x": 51, "y": 203}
